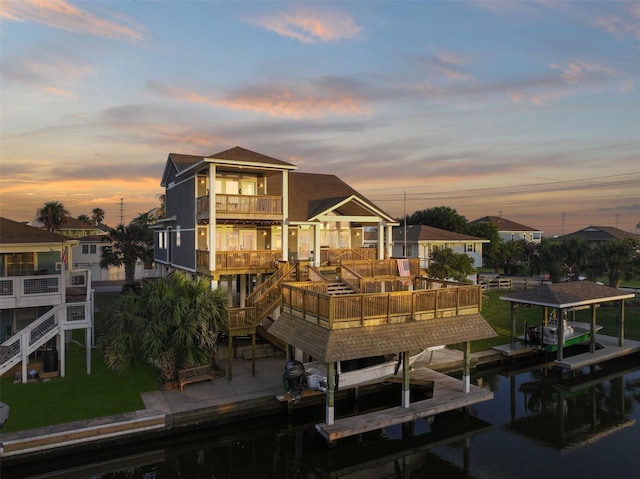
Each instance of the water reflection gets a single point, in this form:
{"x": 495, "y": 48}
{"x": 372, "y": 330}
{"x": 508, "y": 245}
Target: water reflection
{"x": 571, "y": 424}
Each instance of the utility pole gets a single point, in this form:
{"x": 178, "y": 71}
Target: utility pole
{"x": 121, "y": 211}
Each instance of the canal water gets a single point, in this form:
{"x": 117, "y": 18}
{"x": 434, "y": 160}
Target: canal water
{"x": 539, "y": 424}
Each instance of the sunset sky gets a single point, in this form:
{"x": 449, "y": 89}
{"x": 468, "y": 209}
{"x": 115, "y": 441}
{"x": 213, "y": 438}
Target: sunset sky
{"x": 525, "y": 109}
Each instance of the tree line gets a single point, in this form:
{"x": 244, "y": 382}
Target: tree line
{"x": 569, "y": 259}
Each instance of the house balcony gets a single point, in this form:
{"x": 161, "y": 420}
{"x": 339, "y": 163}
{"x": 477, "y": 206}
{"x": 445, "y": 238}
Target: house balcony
{"x": 311, "y": 302}
{"x": 239, "y": 262}
{"x": 241, "y": 206}
{"x": 43, "y": 290}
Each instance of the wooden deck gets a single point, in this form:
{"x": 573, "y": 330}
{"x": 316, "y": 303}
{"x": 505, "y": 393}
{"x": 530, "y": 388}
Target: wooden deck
{"x": 447, "y": 396}
{"x": 610, "y": 350}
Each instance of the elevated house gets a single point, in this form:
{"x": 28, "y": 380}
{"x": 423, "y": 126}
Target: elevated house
{"x": 41, "y": 299}
{"x": 238, "y": 214}
{"x": 73, "y": 228}
{"x": 511, "y": 231}
{"x": 420, "y": 241}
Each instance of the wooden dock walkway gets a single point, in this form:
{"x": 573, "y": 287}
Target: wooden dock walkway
{"x": 610, "y": 350}
{"x": 447, "y": 396}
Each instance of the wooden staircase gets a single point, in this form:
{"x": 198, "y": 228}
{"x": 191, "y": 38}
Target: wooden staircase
{"x": 338, "y": 288}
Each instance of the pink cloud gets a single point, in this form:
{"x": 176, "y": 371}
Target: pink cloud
{"x": 65, "y": 16}
{"x": 309, "y": 26}
{"x": 619, "y": 26}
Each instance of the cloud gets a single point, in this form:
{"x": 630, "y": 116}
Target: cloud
{"x": 621, "y": 26}
{"x": 311, "y": 26}
{"x": 326, "y": 96}
{"x": 62, "y": 15}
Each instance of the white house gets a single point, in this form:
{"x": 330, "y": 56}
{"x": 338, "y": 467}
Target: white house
{"x": 511, "y": 231}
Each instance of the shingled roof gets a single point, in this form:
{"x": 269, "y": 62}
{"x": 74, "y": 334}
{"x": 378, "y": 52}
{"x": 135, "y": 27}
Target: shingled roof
{"x": 567, "y": 295}
{"x": 312, "y": 193}
{"x": 353, "y": 343}
{"x": 429, "y": 233}
{"x": 238, "y": 154}
{"x": 504, "y": 224}
{"x": 600, "y": 233}
{"x": 12, "y": 232}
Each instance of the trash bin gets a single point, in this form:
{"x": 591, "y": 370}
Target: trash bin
{"x": 50, "y": 360}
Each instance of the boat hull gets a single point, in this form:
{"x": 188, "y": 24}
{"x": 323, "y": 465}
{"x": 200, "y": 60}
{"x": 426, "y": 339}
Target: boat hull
{"x": 575, "y": 333}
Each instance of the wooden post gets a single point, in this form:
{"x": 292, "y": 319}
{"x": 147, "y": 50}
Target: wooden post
{"x": 253, "y": 353}
{"x": 592, "y": 339}
{"x": 466, "y": 373}
{"x": 560, "y": 334}
{"x": 513, "y": 325}
{"x": 230, "y": 357}
{"x": 331, "y": 383}
{"x": 621, "y": 327}
{"x": 406, "y": 387}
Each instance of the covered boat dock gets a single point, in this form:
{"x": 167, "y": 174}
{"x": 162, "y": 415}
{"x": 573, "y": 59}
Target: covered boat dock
{"x": 332, "y": 329}
{"x": 572, "y": 296}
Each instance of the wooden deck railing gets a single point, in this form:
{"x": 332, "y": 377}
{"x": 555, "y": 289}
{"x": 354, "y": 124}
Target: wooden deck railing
{"x": 380, "y": 267}
{"x": 310, "y": 302}
{"x": 336, "y": 256}
{"x": 240, "y": 260}
{"x": 241, "y": 204}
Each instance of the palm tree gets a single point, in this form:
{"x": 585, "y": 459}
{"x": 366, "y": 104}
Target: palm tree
{"x": 513, "y": 252}
{"x": 85, "y": 219}
{"x": 128, "y": 245}
{"x": 618, "y": 259}
{"x": 97, "y": 215}
{"x": 173, "y": 324}
{"x": 53, "y": 215}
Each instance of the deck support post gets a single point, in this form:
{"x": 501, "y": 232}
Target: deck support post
{"x": 253, "y": 353}
{"x": 513, "y": 325}
{"x": 331, "y": 391}
{"x": 406, "y": 388}
{"x": 466, "y": 372}
{"x": 621, "y": 325}
{"x": 592, "y": 326}
{"x": 230, "y": 357}
{"x": 560, "y": 334}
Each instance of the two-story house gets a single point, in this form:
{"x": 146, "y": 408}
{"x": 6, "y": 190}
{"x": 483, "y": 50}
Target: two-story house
{"x": 419, "y": 241}
{"x": 511, "y": 231}
{"x": 236, "y": 214}
{"x": 41, "y": 300}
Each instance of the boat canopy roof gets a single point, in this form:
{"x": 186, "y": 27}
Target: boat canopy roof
{"x": 567, "y": 295}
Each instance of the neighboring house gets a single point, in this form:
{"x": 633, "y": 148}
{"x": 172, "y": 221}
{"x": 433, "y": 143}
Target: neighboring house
{"x": 238, "y": 213}
{"x": 88, "y": 253}
{"x": 511, "y": 231}
{"x": 598, "y": 234}
{"x": 40, "y": 299}
{"x": 419, "y": 241}
{"x": 73, "y": 228}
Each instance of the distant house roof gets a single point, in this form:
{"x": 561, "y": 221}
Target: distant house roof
{"x": 600, "y": 233}
{"x": 565, "y": 295}
{"x": 504, "y": 224}
{"x": 70, "y": 224}
{"x": 417, "y": 233}
{"x": 311, "y": 194}
{"x": 13, "y": 232}
{"x": 352, "y": 343}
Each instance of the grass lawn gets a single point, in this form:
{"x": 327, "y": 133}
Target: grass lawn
{"x": 81, "y": 396}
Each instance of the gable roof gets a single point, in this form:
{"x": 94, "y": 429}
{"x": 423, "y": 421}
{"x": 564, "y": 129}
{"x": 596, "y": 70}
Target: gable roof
{"x": 236, "y": 156}
{"x": 416, "y": 233}
{"x": 504, "y": 224}
{"x": 311, "y": 194}
{"x": 600, "y": 233}
{"x": 12, "y": 232}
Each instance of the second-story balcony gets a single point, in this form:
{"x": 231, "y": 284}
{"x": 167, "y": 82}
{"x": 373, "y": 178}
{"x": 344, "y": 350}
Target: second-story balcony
{"x": 241, "y": 206}
{"x": 43, "y": 290}
{"x": 239, "y": 262}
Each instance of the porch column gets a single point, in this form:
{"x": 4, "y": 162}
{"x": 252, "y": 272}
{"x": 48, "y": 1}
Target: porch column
{"x": 316, "y": 244}
{"x": 285, "y": 215}
{"x": 63, "y": 350}
{"x": 87, "y": 343}
{"x": 466, "y": 371}
{"x": 406, "y": 387}
{"x": 389, "y": 242}
{"x": 211, "y": 238}
{"x": 331, "y": 383}
{"x": 243, "y": 289}
{"x": 381, "y": 243}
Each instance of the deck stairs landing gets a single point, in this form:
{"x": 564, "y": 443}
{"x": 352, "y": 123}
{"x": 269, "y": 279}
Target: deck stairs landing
{"x": 338, "y": 288}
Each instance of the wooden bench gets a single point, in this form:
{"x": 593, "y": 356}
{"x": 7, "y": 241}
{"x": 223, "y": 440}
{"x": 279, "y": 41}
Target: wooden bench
{"x": 194, "y": 375}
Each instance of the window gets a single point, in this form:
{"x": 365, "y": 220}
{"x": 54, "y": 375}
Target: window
{"x": 88, "y": 249}
{"x": 177, "y": 235}
{"x": 162, "y": 240}
{"x": 20, "y": 264}
{"x": 471, "y": 248}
